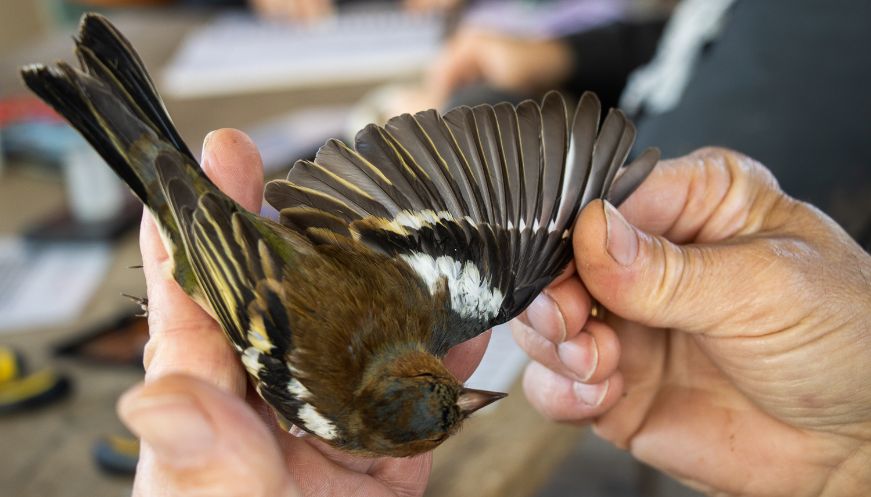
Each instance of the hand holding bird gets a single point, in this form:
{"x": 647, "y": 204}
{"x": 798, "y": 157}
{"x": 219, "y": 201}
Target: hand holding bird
{"x": 423, "y": 235}
{"x": 223, "y": 445}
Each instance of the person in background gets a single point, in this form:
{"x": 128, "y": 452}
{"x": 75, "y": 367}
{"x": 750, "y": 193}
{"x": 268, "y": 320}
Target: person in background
{"x": 301, "y": 10}
{"x": 318, "y": 9}
{"x": 787, "y": 86}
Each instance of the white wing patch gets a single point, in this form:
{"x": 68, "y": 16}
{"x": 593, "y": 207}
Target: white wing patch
{"x": 418, "y": 219}
{"x": 297, "y": 389}
{"x": 251, "y": 361}
{"x": 472, "y": 295}
{"x": 316, "y": 423}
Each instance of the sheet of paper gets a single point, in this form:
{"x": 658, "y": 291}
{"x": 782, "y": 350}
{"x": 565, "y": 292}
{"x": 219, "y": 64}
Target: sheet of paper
{"x": 238, "y": 53}
{"x": 293, "y": 136}
{"x": 46, "y": 284}
{"x": 502, "y": 364}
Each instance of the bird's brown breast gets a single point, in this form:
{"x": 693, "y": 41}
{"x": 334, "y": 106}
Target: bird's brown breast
{"x": 349, "y": 306}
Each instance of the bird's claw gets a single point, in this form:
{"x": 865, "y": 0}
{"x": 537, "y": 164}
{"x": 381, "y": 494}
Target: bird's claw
{"x": 141, "y": 301}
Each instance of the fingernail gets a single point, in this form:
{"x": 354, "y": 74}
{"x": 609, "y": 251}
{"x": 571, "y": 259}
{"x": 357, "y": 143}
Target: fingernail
{"x": 205, "y": 155}
{"x": 591, "y": 395}
{"x": 580, "y": 355}
{"x": 174, "y": 426}
{"x": 622, "y": 240}
{"x": 546, "y": 318}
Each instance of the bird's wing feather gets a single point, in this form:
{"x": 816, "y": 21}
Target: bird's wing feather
{"x": 239, "y": 273}
{"x": 479, "y": 201}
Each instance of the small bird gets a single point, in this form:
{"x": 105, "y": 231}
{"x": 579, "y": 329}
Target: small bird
{"x": 425, "y": 233}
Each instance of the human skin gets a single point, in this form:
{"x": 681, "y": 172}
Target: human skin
{"x": 736, "y": 349}
{"x": 313, "y": 10}
{"x": 474, "y": 55}
{"x": 203, "y": 431}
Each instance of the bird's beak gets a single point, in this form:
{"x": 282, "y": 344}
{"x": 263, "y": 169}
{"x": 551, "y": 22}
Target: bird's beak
{"x": 471, "y": 400}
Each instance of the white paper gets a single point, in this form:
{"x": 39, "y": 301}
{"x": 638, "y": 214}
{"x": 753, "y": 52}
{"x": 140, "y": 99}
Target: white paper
{"x": 286, "y": 139}
{"x": 46, "y": 284}
{"x": 502, "y": 363}
{"x": 237, "y": 52}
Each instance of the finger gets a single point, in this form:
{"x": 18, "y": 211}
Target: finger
{"x": 311, "y": 10}
{"x": 691, "y": 287}
{"x": 184, "y": 338}
{"x": 562, "y": 399}
{"x": 456, "y": 66}
{"x": 231, "y": 160}
{"x": 709, "y": 195}
{"x": 201, "y": 441}
{"x": 588, "y": 357}
{"x": 463, "y": 359}
{"x": 560, "y": 311}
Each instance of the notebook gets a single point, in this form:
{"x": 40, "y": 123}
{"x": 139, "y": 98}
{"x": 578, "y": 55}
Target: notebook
{"x": 239, "y": 53}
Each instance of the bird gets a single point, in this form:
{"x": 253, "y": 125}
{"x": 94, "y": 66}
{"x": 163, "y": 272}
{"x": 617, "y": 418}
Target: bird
{"x": 422, "y": 234}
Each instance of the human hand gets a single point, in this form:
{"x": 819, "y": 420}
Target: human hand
{"x": 312, "y": 10}
{"x": 504, "y": 62}
{"x": 736, "y": 352}
{"x": 430, "y": 5}
{"x": 203, "y": 431}
{"x": 297, "y": 10}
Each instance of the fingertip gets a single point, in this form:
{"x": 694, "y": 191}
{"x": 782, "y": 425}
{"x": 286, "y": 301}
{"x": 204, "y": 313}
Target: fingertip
{"x": 596, "y": 268}
{"x": 562, "y": 399}
{"x": 202, "y": 440}
{"x": 150, "y": 243}
{"x": 606, "y": 346}
{"x": 231, "y": 160}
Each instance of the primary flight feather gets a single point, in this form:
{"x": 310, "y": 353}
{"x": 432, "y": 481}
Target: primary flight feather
{"x": 423, "y": 234}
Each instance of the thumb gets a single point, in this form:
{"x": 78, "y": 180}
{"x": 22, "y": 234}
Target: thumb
{"x": 199, "y": 440}
{"x": 655, "y": 282}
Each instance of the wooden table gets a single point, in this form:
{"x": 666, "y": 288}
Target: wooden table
{"x": 509, "y": 451}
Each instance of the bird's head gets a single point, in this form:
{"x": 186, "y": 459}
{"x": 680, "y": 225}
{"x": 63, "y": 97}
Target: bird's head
{"x": 411, "y": 403}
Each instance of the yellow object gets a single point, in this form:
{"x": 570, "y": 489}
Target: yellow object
{"x": 10, "y": 368}
{"x": 124, "y": 445}
{"x": 30, "y": 386}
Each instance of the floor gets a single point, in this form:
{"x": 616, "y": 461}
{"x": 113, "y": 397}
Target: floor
{"x": 597, "y": 469}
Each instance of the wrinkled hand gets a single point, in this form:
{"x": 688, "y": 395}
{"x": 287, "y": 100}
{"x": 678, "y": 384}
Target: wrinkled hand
{"x": 203, "y": 432}
{"x": 737, "y": 352}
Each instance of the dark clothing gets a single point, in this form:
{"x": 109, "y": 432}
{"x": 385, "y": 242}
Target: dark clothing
{"x": 788, "y": 83}
{"x": 604, "y": 57}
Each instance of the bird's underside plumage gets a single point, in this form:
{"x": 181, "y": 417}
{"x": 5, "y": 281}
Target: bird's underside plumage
{"x": 454, "y": 223}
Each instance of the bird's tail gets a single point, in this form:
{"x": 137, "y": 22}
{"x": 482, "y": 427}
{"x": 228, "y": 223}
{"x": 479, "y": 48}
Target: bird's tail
{"x": 111, "y": 100}
{"x": 113, "y": 103}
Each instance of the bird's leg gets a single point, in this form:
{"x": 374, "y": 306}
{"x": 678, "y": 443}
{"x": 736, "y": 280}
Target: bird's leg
{"x": 143, "y": 304}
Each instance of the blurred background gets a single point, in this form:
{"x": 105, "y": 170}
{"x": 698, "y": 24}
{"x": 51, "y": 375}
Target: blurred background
{"x": 784, "y": 82}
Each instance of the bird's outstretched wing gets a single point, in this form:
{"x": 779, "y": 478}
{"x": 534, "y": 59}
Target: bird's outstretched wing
{"x": 479, "y": 202}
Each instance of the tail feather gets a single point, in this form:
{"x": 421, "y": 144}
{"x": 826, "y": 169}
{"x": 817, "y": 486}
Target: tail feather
{"x": 68, "y": 91}
{"x": 106, "y": 54}
{"x": 114, "y": 105}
